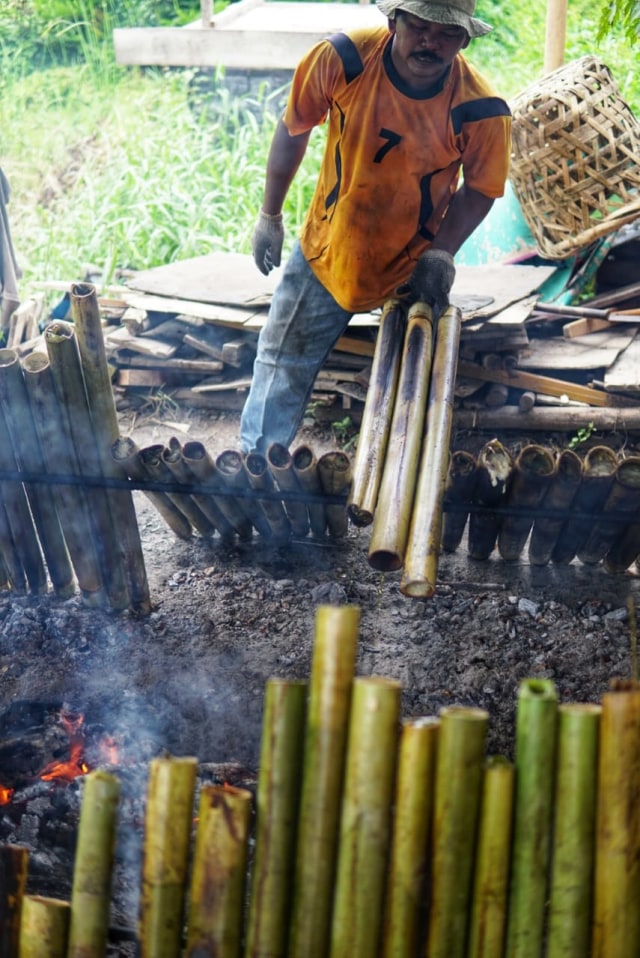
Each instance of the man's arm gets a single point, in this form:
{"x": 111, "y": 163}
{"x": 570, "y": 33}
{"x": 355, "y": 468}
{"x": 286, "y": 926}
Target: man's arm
{"x": 465, "y": 212}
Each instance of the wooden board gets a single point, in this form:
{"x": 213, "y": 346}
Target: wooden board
{"x": 596, "y": 351}
{"x": 503, "y": 283}
{"x": 625, "y": 371}
{"x": 227, "y": 278}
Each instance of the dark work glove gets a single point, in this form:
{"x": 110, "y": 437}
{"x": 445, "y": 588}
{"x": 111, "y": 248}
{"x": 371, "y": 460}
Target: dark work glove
{"x": 266, "y": 242}
{"x": 432, "y": 280}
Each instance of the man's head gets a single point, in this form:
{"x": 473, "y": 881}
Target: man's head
{"x": 453, "y": 13}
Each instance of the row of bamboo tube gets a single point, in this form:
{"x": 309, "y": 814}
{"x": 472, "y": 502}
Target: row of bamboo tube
{"x": 374, "y": 837}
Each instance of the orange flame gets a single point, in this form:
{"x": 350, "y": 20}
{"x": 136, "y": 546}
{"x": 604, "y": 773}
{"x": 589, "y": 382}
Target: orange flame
{"x": 75, "y": 766}
{"x": 6, "y": 794}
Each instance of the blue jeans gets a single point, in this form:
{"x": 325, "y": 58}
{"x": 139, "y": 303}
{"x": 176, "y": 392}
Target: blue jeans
{"x": 302, "y": 327}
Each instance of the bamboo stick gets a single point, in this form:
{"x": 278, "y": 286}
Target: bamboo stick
{"x": 571, "y": 886}
{"x": 280, "y": 462}
{"x": 623, "y": 496}
{"x": 332, "y": 670}
{"x": 261, "y": 480}
{"x": 560, "y": 495}
{"x": 219, "y": 870}
{"x": 461, "y": 481}
{"x": 44, "y": 929}
{"x": 203, "y": 468}
{"x": 93, "y": 866}
{"x": 230, "y": 465}
{"x": 567, "y": 419}
{"x": 420, "y": 571}
{"x": 174, "y": 460}
{"x": 531, "y": 476}
{"x": 168, "y": 821}
{"x": 405, "y": 910}
{"x": 12, "y": 566}
{"x": 535, "y": 762}
{"x": 376, "y": 415}
{"x": 494, "y": 464}
{"x": 598, "y": 471}
{"x": 305, "y": 466}
{"x": 334, "y": 471}
{"x": 157, "y": 469}
{"x": 14, "y": 861}
{"x": 400, "y": 469}
{"x": 458, "y": 792}
{"x": 277, "y": 806}
{"x": 365, "y": 819}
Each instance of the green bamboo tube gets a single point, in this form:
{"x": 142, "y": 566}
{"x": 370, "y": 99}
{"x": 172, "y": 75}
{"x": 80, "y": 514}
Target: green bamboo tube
{"x": 536, "y": 721}
{"x": 93, "y": 867}
{"x": 598, "y": 471}
{"x": 173, "y": 459}
{"x": 170, "y": 797}
{"x": 230, "y": 465}
{"x": 376, "y": 415}
{"x": 616, "y": 907}
{"x": 488, "y": 920}
{"x": 400, "y": 470}
{"x": 203, "y": 468}
{"x": 420, "y": 571}
{"x": 97, "y": 377}
{"x": 305, "y": 467}
{"x": 14, "y": 862}
{"x": 560, "y": 495}
{"x": 494, "y": 465}
{"x": 44, "y": 929}
{"x": 261, "y": 480}
{"x": 217, "y": 886}
{"x": 573, "y": 849}
{"x": 404, "y": 912}
{"x": 461, "y": 481}
{"x": 461, "y": 747}
{"x": 280, "y": 462}
{"x": 152, "y": 458}
{"x": 332, "y": 671}
{"x": 623, "y": 497}
{"x": 334, "y": 471}
{"x": 531, "y": 476}
{"x": 277, "y": 806}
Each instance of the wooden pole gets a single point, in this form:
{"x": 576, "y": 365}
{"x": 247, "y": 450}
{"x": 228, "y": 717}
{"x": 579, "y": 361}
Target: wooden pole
{"x": 555, "y": 34}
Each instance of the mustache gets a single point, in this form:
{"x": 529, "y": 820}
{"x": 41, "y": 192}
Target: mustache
{"x": 427, "y": 55}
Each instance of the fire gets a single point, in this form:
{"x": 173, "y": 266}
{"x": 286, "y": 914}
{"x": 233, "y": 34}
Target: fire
{"x": 75, "y": 766}
{"x": 6, "y": 794}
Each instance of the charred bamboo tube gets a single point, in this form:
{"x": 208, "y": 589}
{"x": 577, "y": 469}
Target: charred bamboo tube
{"x": 332, "y": 671}
{"x": 203, "y": 468}
{"x": 334, "y": 470}
{"x": 71, "y": 501}
{"x": 420, "y": 572}
{"x": 616, "y": 907}
{"x": 623, "y": 497}
{"x": 488, "y": 920}
{"x": 494, "y": 464}
{"x": 14, "y": 861}
{"x": 305, "y": 466}
{"x": 277, "y": 805}
{"x": 365, "y": 821}
{"x": 173, "y": 459}
{"x": 261, "y": 480}
{"x": 404, "y": 912}
{"x": 280, "y": 462}
{"x": 624, "y": 550}
{"x": 95, "y": 369}
{"x": 126, "y": 452}
{"x": 376, "y": 415}
{"x": 93, "y": 867}
{"x": 230, "y": 465}
{"x": 459, "y": 767}
{"x": 573, "y": 851}
{"x": 458, "y": 493}
{"x": 44, "y": 929}
{"x": 15, "y": 577}
{"x": 531, "y": 476}
{"x": 219, "y": 868}
{"x": 560, "y": 495}
{"x": 536, "y": 720}
{"x": 152, "y": 458}
{"x": 598, "y": 471}
{"x": 399, "y": 472}
{"x": 167, "y": 836}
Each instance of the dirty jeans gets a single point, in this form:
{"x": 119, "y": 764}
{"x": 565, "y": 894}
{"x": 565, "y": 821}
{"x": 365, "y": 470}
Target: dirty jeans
{"x": 302, "y": 327}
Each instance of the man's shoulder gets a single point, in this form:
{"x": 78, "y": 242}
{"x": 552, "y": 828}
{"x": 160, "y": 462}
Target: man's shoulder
{"x": 470, "y": 80}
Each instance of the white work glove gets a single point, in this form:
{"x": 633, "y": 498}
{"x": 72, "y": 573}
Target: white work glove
{"x": 267, "y": 240}
{"x": 431, "y": 280}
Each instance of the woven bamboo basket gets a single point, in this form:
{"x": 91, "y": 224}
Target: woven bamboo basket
{"x": 575, "y": 165}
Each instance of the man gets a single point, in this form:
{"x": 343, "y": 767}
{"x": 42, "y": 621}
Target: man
{"x": 406, "y": 115}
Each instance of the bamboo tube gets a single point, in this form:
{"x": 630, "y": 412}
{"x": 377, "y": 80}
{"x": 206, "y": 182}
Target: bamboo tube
{"x": 623, "y": 496}
{"x": 598, "y": 471}
{"x": 616, "y": 914}
{"x": 14, "y": 862}
{"x": 91, "y": 891}
{"x": 168, "y": 820}
{"x": 531, "y": 476}
{"x": 154, "y": 465}
{"x": 219, "y": 869}
{"x": 400, "y": 469}
{"x": 95, "y": 369}
{"x": 420, "y": 572}
{"x": 488, "y": 919}
{"x": 461, "y": 481}
{"x": 280, "y": 462}
{"x": 535, "y": 762}
{"x": 571, "y": 886}
{"x": 332, "y": 670}
{"x": 230, "y": 465}
{"x": 334, "y": 471}
{"x": 173, "y": 459}
{"x": 624, "y": 550}
{"x": 305, "y": 466}
{"x": 44, "y": 929}
{"x": 261, "y": 480}
{"x": 405, "y": 912}
{"x": 12, "y": 565}
{"x": 203, "y": 468}
{"x": 125, "y": 451}
{"x": 494, "y": 465}
{"x": 277, "y": 805}
{"x": 71, "y": 501}
{"x": 560, "y": 495}
{"x": 376, "y": 415}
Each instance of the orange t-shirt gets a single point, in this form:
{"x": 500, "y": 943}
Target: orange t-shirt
{"x": 392, "y": 160}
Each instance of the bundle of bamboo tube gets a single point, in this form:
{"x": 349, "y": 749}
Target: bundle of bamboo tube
{"x": 372, "y": 835}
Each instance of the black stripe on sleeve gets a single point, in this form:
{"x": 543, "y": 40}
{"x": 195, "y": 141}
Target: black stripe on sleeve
{"x": 348, "y": 53}
{"x": 474, "y": 110}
